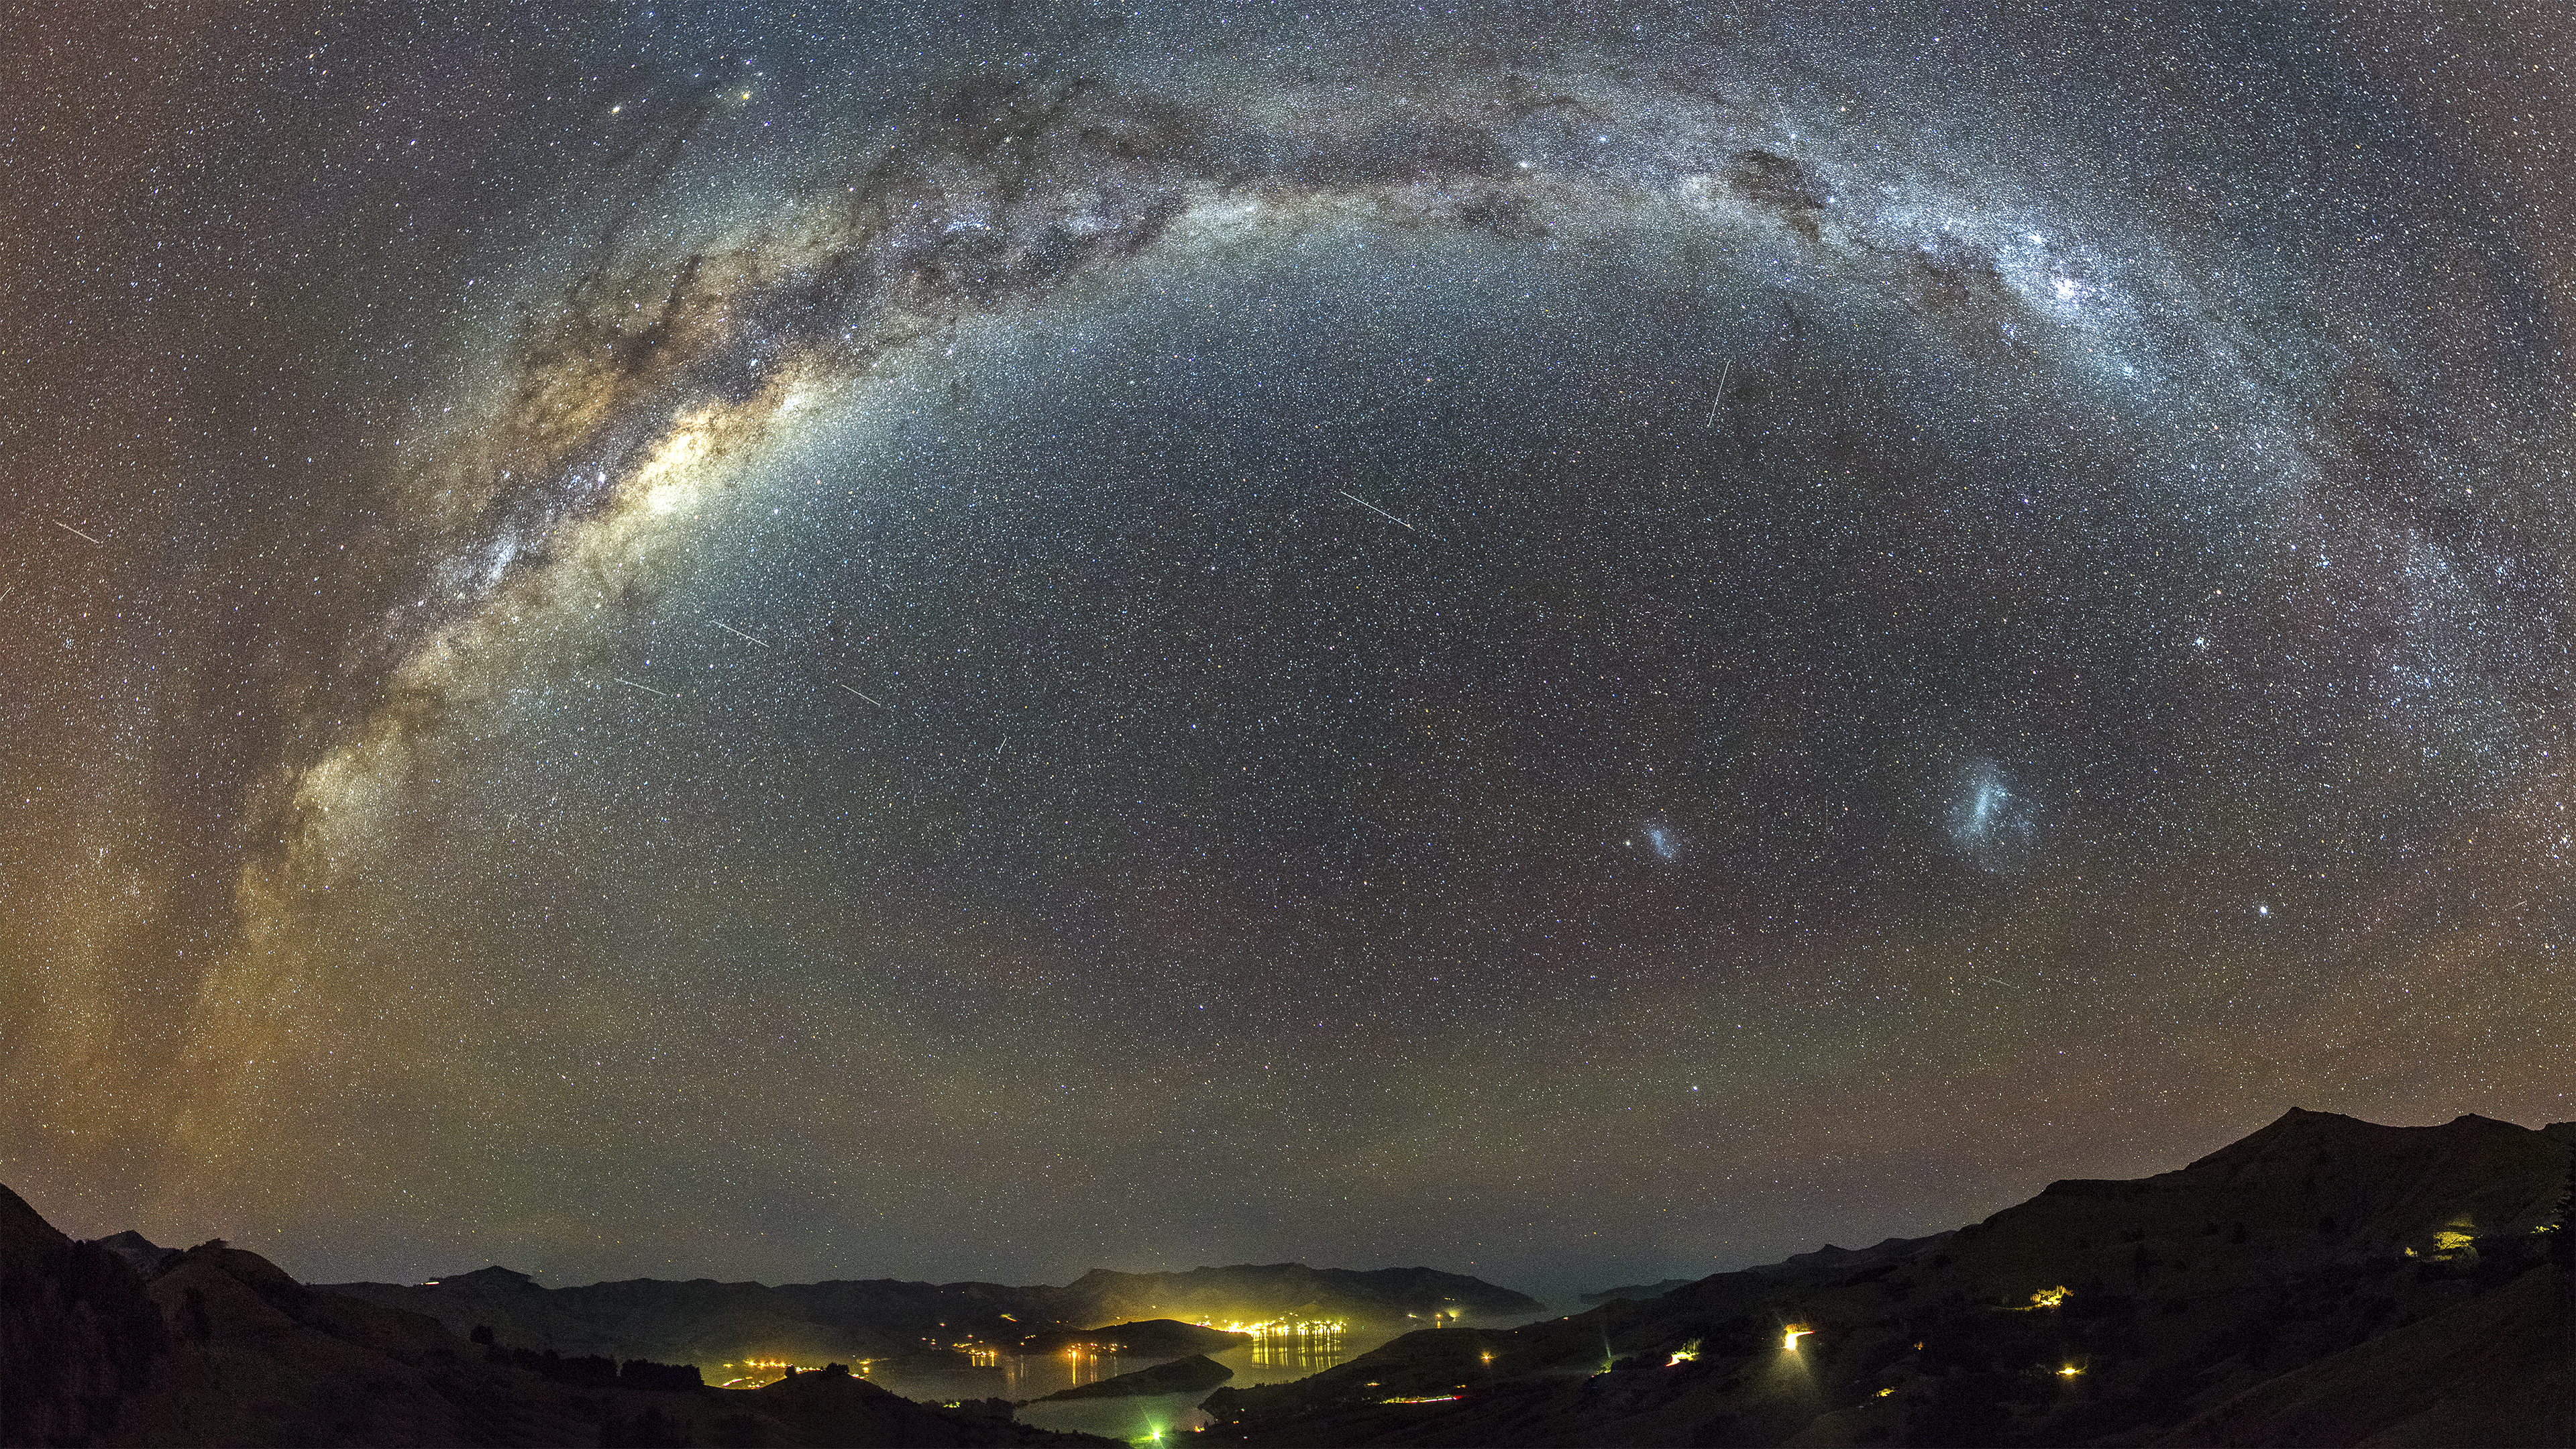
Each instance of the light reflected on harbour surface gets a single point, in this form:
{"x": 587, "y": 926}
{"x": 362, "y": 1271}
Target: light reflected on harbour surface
{"x": 984, "y": 1372}
{"x": 1068, "y": 1368}
{"x": 1304, "y": 1345}
{"x": 1278, "y": 1351}
{"x": 1304, "y": 1352}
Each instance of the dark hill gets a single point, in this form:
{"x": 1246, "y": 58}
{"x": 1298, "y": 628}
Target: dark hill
{"x": 1638, "y": 1291}
{"x": 144, "y": 1255}
{"x": 220, "y": 1347}
{"x": 78, "y": 1337}
{"x": 2323, "y": 1281}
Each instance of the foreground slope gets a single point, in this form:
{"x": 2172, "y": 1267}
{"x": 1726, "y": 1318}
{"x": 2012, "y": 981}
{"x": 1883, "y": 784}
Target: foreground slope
{"x": 77, "y": 1335}
{"x": 2324, "y": 1281}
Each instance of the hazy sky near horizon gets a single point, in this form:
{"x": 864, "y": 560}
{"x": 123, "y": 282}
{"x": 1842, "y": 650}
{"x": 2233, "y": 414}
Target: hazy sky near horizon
{"x": 1571, "y": 643}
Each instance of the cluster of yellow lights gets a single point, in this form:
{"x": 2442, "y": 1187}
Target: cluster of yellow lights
{"x": 1789, "y": 1340}
{"x": 1425, "y": 1399}
{"x": 2051, "y": 1297}
{"x": 1286, "y": 1327}
{"x": 754, "y": 1372}
{"x": 1681, "y": 1355}
{"x": 2068, "y": 1372}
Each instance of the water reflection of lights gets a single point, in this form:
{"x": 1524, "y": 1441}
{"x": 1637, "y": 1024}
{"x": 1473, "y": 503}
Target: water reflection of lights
{"x": 1089, "y": 1363}
{"x": 1307, "y": 1344}
{"x": 1287, "y": 1327}
{"x": 1312, "y": 1353}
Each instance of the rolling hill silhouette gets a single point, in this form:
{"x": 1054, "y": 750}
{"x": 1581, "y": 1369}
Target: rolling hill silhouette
{"x": 704, "y": 1321}
{"x": 2323, "y": 1281}
{"x": 220, "y": 1347}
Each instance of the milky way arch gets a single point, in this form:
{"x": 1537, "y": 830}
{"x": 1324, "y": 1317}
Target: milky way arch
{"x": 1408, "y": 628}
{"x": 994, "y": 201}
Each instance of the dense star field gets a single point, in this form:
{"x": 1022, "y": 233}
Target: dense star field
{"x": 1572, "y": 643}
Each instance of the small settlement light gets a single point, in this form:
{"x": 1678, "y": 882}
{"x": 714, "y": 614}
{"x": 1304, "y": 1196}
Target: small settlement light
{"x": 1789, "y": 1340}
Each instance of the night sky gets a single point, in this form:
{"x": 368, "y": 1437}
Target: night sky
{"x": 1569, "y": 643}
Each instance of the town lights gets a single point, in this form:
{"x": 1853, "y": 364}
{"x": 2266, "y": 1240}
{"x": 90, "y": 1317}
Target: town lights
{"x": 1789, "y": 1340}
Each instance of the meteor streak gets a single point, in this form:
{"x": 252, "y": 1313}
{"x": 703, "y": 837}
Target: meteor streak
{"x": 1373, "y": 508}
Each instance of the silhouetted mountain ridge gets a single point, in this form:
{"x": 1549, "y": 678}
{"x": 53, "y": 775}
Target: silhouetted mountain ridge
{"x": 2322, "y": 1281}
{"x": 1637, "y": 1290}
{"x": 220, "y": 1347}
{"x": 704, "y": 1321}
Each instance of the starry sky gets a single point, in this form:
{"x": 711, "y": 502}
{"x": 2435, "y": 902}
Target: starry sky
{"x": 1575, "y": 643}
